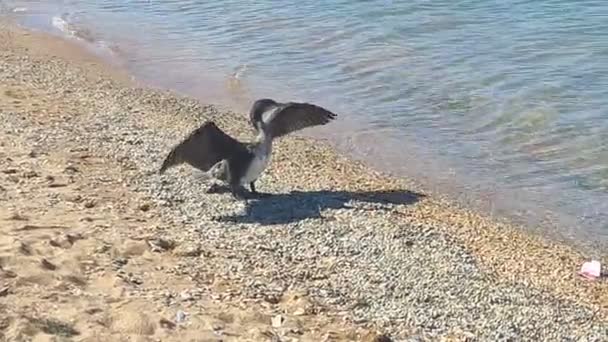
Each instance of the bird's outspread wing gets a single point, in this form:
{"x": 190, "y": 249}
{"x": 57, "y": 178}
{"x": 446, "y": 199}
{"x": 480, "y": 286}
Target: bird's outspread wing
{"x": 203, "y": 148}
{"x": 294, "y": 116}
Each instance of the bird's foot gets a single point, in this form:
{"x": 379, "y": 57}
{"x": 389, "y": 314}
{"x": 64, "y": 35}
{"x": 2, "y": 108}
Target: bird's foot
{"x": 240, "y": 194}
{"x": 218, "y": 189}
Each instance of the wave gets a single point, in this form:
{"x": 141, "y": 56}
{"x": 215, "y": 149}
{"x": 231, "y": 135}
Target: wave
{"x": 82, "y": 34}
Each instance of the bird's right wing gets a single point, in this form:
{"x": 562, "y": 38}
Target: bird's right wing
{"x": 203, "y": 148}
{"x": 294, "y": 116}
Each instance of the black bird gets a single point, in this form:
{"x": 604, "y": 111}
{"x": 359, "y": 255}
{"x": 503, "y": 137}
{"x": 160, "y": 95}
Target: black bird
{"x": 237, "y": 163}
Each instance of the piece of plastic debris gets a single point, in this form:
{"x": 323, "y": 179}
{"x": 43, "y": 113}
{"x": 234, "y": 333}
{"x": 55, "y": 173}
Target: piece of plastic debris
{"x": 180, "y": 316}
{"x": 591, "y": 269}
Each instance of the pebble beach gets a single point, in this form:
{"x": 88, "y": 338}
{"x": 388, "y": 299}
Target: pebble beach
{"x": 95, "y": 245}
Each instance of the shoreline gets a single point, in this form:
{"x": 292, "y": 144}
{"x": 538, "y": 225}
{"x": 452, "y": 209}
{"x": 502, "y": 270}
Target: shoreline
{"x": 500, "y": 206}
{"x": 350, "y": 195}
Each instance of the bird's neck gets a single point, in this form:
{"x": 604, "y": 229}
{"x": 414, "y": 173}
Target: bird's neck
{"x": 263, "y": 136}
{"x": 263, "y": 140}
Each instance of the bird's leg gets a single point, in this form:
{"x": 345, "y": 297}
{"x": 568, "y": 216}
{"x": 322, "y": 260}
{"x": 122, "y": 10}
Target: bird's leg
{"x": 255, "y": 192}
{"x": 238, "y": 192}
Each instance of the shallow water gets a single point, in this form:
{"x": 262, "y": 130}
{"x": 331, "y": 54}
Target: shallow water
{"x": 501, "y": 104}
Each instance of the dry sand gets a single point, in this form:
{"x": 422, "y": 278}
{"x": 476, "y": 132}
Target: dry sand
{"x": 95, "y": 246}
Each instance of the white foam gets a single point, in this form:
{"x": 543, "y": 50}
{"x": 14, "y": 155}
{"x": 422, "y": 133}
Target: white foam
{"x": 63, "y": 26}
{"x": 239, "y": 71}
{"x": 71, "y": 32}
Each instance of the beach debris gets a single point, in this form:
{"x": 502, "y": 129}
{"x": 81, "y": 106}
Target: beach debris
{"x": 591, "y": 270}
{"x": 180, "y": 316}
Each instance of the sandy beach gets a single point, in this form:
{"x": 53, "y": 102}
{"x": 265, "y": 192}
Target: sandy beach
{"x": 95, "y": 245}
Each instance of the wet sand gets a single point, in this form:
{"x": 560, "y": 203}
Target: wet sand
{"x": 97, "y": 246}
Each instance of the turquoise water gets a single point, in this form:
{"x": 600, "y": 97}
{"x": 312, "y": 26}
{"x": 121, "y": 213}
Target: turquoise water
{"x": 503, "y": 104}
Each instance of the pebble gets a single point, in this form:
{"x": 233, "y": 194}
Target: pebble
{"x": 277, "y": 321}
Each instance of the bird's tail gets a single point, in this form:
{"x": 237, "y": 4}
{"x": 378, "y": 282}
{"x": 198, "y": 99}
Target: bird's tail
{"x": 172, "y": 159}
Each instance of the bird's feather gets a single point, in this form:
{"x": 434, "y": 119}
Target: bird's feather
{"x": 203, "y": 148}
{"x": 293, "y": 116}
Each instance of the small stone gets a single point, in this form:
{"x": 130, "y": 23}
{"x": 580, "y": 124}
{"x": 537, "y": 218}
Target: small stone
{"x": 134, "y": 248}
{"x": 186, "y": 296}
{"x": 296, "y": 331}
{"x": 9, "y": 171}
{"x": 60, "y": 243}
{"x": 144, "y": 207}
{"x": 103, "y": 248}
{"x": 277, "y": 321}
{"x": 30, "y": 174}
{"x": 71, "y": 169}
{"x": 47, "y": 265}
{"x": 119, "y": 262}
{"x": 382, "y": 338}
{"x": 167, "y": 324}
{"x": 76, "y": 198}
{"x": 4, "y": 291}
{"x": 73, "y": 237}
{"x": 161, "y": 245}
{"x": 188, "y": 250}
{"x": 25, "y": 249}
{"x": 89, "y": 204}
{"x": 92, "y": 311}
{"x": 272, "y": 299}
